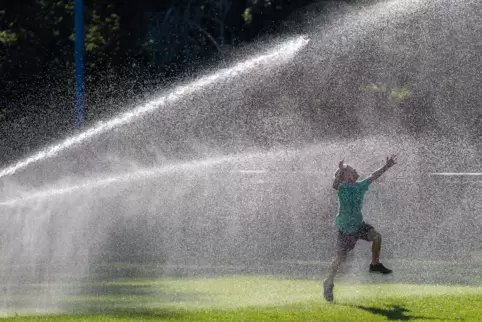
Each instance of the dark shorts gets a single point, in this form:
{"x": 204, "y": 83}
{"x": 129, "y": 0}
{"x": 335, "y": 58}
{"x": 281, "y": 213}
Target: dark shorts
{"x": 345, "y": 242}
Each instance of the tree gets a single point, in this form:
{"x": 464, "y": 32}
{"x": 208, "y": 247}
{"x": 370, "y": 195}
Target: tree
{"x": 36, "y": 43}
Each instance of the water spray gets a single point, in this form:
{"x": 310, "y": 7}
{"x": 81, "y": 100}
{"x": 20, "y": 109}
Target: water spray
{"x": 146, "y": 173}
{"x": 125, "y": 177}
{"x": 457, "y": 174}
{"x": 277, "y": 55}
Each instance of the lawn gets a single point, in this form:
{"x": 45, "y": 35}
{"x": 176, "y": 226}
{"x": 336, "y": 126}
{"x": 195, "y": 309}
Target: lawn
{"x": 261, "y": 298}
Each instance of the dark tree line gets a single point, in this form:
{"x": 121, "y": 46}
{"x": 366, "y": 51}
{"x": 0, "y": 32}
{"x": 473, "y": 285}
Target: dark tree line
{"x": 162, "y": 38}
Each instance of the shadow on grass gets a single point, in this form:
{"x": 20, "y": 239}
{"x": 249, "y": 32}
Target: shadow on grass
{"x": 392, "y": 313}
{"x": 137, "y": 314}
{"x": 133, "y": 301}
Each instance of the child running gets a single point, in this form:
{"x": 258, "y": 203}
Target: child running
{"x": 349, "y": 220}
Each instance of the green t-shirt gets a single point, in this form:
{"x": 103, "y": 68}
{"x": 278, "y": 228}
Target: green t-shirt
{"x": 350, "y": 201}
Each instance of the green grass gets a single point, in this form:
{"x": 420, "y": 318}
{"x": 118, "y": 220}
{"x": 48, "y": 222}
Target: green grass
{"x": 262, "y": 298}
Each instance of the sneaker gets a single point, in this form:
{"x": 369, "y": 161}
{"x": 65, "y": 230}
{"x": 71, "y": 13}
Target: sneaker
{"x": 328, "y": 291}
{"x": 379, "y": 268}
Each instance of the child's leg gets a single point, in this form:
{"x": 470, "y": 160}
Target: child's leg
{"x": 376, "y": 240}
{"x": 372, "y": 235}
{"x": 334, "y": 266}
{"x": 344, "y": 244}
{"x": 328, "y": 283}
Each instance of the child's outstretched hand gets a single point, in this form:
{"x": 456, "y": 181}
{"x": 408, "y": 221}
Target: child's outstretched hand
{"x": 392, "y": 160}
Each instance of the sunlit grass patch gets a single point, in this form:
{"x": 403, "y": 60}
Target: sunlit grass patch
{"x": 261, "y": 298}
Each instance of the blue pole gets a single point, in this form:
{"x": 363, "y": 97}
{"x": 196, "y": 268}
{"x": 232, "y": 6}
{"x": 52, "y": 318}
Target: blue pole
{"x": 79, "y": 62}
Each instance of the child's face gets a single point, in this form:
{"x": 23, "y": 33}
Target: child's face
{"x": 350, "y": 174}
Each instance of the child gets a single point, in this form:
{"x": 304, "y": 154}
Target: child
{"x": 349, "y": 220}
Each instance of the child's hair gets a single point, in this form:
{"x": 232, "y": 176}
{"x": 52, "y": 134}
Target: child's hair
{"x": 340, "y": 172}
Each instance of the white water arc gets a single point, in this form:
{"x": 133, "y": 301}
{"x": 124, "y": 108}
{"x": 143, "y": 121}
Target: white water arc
{"x": 277, "y": 55}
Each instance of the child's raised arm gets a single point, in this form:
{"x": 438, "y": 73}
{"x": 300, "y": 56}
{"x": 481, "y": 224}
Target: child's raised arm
{"x": 390, "y": 163}
{"x": 338, "y": 175}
